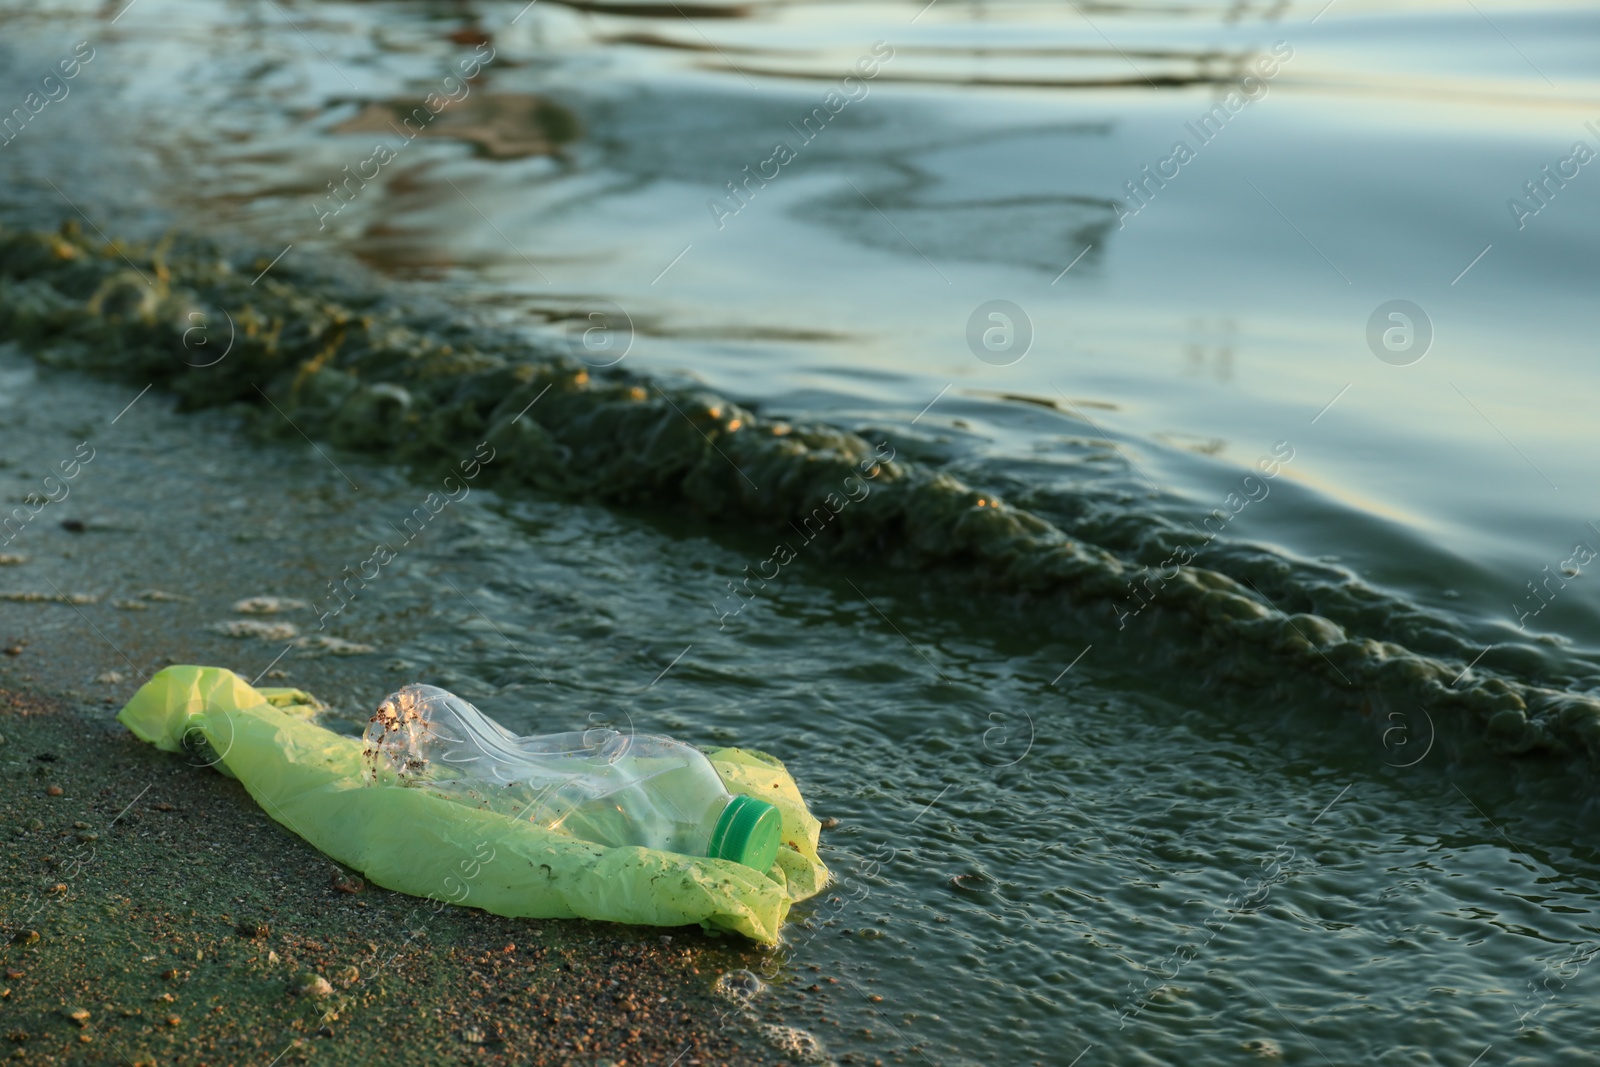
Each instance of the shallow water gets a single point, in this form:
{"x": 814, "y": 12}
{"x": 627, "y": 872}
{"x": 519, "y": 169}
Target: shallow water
{"x": 1064, "y": 833}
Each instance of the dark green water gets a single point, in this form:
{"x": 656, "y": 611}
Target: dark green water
{"x": 1117, "y": 860}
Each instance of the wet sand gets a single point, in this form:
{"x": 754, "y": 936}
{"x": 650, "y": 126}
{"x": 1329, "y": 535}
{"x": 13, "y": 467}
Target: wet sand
{"x": 155, "y": 897}
{"x": 159, "y": 890}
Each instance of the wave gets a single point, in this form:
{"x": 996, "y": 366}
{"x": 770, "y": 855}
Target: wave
{"x": 316, "y": 354}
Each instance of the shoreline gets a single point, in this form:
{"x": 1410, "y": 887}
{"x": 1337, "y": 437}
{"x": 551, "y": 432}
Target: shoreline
{"x": 367, "y": 374}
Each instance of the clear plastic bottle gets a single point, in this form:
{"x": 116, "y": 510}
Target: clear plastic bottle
{"x": 598, "y": 785}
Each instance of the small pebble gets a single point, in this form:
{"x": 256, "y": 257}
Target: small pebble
{"x": 173, "y": 1020}
{"x": 308, "y": 984}
{"x": 53, "y": 790}
{"x": 347, "y": 885}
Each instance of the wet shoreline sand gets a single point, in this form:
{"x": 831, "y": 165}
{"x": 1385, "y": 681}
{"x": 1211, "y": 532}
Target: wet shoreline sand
{"x": 154, "y": 895}
{"x": 174, "y": 526}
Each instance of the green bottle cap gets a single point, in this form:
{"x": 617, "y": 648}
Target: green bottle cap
{"x": 749, "y": 831}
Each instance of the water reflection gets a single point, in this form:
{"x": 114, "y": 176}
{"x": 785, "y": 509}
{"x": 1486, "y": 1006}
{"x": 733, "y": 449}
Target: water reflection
{"x": 500, "y": 126}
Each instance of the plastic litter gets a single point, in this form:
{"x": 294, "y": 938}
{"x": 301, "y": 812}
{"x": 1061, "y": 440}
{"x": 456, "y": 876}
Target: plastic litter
{"x": 316, "y": 783}
{"x": 600, "y": 785}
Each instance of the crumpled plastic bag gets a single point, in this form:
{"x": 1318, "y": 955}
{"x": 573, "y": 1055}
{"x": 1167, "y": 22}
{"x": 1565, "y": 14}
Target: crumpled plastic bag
{"x": 310, "y": 779}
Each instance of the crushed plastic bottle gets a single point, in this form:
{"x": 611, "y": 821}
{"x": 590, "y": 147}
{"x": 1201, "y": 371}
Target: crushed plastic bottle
{"x": 597, "y": 785}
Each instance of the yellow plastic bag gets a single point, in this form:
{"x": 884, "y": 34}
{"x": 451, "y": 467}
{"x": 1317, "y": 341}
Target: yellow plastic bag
{"x": 310, "y": 780}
